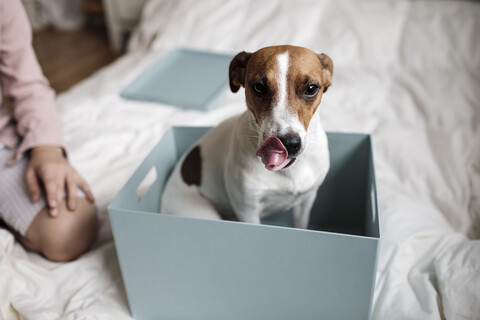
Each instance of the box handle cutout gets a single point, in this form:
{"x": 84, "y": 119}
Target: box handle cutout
{"x": 146, "y": 183}
{"x": 374, "y": 207}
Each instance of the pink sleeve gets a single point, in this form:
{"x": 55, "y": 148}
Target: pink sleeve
{"x": 38, "y": 121}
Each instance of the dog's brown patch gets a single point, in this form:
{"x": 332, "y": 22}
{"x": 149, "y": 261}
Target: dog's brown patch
{"x": 305, "y": 68}
{"x": 192, "y": 167}
{"x": 327, "y": 65}
{"x": 262, "y": 68}
{"x": 236, "y": 70}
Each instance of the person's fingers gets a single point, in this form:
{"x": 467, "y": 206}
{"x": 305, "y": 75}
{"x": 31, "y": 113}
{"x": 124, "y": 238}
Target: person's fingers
{"x": 71, "y": 193}
{"x": 51, "y": 193}
{"x": 86, "y": 189}
{"x": 51, "y": 183}
{"x": 58, "y": 179}
{"x": 61, "y": 185}
{"x": 32, "y": 184}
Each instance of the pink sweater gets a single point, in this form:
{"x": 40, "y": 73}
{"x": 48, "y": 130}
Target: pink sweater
{"x": 28, "y": 115}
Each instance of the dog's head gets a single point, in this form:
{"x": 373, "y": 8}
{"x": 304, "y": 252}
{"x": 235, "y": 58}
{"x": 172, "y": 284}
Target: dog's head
{"x": 283, "y": 88}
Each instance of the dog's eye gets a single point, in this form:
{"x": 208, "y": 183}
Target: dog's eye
{"x": 259, "y": 88}
{"x": 311, "y": 91}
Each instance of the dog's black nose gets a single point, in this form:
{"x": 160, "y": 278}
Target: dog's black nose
{"x": 292, "y": 142}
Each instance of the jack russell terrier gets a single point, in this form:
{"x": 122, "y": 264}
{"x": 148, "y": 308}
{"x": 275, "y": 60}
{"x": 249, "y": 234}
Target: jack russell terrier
{"x": 271, "y": 158}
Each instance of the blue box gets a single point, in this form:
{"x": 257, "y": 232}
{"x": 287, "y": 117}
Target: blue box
{"x": 184, "y": 268}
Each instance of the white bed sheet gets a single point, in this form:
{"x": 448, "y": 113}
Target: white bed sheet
{"x": 408, "y": 72}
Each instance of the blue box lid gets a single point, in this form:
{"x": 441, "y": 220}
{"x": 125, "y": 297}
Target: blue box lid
{"x": 184, "y": 78}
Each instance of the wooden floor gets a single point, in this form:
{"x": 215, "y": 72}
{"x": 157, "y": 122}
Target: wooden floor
{"x": 68, "y": 57}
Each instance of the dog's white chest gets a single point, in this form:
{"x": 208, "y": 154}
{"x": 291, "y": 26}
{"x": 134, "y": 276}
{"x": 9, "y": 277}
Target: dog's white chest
{"x": 253, "y": 190}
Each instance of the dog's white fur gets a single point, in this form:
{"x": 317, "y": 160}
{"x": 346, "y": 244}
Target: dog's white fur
{"x": 233, "y": 179}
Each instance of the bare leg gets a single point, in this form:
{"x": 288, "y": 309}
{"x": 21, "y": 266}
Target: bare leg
{"x": 64, "y": 237}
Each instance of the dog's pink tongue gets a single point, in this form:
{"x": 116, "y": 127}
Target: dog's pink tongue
{"x": 273, "y": 153}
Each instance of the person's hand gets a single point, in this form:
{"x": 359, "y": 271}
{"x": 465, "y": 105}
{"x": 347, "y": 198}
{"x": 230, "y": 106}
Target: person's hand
{"x": 49, "y": 168}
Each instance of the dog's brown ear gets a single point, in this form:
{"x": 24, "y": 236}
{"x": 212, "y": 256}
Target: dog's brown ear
{"x": 237, "y": 69}
{"x": 327, "y": 65}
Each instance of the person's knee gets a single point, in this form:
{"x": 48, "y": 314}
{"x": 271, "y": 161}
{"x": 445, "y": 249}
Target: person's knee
{"x": 67, "y": 236}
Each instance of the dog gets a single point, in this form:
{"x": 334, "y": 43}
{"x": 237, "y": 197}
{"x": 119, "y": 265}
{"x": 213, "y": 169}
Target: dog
{"x": 272, "y": 157}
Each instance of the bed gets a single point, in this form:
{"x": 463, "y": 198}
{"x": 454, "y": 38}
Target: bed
{"x": 407, "y": 72}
